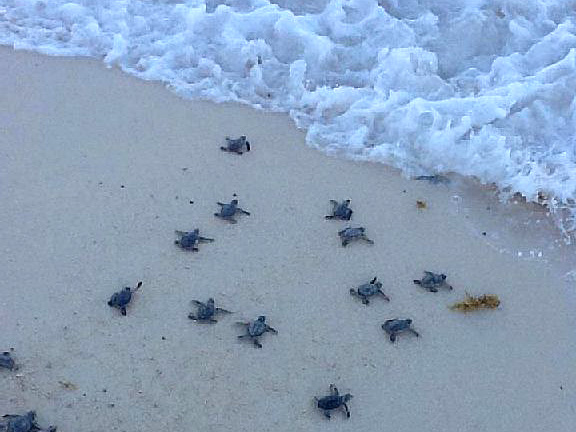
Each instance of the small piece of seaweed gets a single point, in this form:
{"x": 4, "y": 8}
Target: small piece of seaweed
{"x": 421, "y": 204}
{"x": 471, "y": 303}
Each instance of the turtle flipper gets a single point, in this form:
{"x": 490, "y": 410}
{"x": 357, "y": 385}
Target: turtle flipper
{"x": 384, "y": 295}
{"x": 366, "y": 239}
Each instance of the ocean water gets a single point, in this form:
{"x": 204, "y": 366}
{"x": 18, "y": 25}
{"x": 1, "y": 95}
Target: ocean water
{"x": 479, "y": 88}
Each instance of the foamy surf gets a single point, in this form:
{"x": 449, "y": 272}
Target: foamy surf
{"x": 478, "y": 88}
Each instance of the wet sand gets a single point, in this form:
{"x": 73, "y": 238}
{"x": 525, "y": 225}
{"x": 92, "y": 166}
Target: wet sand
{"x": 97, "y": 170}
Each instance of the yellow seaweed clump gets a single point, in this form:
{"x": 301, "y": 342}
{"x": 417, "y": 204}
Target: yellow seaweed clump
{"x": 471, "y": 303}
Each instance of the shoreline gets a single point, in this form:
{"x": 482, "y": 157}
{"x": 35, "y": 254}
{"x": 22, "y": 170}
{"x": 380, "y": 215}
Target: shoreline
{"x": 106, "y": 173}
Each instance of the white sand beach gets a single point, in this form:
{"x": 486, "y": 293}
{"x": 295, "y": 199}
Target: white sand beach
{"x": 97, "y": 170}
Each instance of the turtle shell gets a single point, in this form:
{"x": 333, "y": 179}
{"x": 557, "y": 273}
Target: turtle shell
{"x": 6, "y": 361}
{"x": 121, "y": 298}
{"x": 368, "y": 289}
{"x": 256, "y": 328}
{"x": 330, "y": 402}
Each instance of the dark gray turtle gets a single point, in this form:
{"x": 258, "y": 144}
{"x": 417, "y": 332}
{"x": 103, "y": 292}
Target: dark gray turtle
{"x": 395, "y": 326}
{"x": 433, "y": 281}
{"x": 349, "y": 234}
{"x": 368, "y": 290}
{"x": 206, "y": 311}
{"x": 189, "y": 239}
{"x": 334, "y": 401}
{"x": 228, "y": 211}
{"x": 22, "y": 423}
{"x": 6, "y": 361}
{"x": 434, "y": 179}
{"x": 121, "y": 299}
{"x": 255, "y": 329}
{"x": 236, "y": 145}
{"x": 340, "y": 210}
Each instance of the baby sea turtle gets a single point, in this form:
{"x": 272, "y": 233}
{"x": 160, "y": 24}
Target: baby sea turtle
{"x": 334, "y": 401}
{"x": 395, "y": 326}
{"x": 121, "y": 299}
{"x": 6, "y": 361}
{"x": 189, "y": 240}
{"x": 228, "y": 211}
{"x": 206, "y": 311}
{"x": 349, "y": 234}
{"x": 434, "y": 179}
{"x": 368, "y": 290}
{"x": 255, "y": 329}
{"x": 433, "y": 281}
{"x": 236, "y": 145}
{"x": 340, "y": 210}
{"x": 22, "y": 423}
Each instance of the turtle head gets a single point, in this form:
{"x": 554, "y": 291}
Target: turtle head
{"x": 261, "y": 318}
{"x": 408, "y": 321}
{"x": 234, "y": 201}
{"x": 31, "y": 415}
{"x": 128, "y": 289}
{"x": 210, "y": 300}
{"x": 347, "y": 397}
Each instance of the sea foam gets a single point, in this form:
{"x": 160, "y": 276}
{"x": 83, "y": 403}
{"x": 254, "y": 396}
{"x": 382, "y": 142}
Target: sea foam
{"x": 480, "y": 88}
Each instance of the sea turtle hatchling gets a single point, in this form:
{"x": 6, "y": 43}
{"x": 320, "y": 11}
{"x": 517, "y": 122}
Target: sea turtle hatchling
{"x": 22, "y": 423}
{"x": 228, "y": 211}
{"x": 255, "y": 329}
{"x": 189, "y": 239}
{"x": 6, "y": 361}
{"x": 206, "y": 311}
{"x": 340, "y": 210}
{"x": 369, "y": 289}
{"x": 121, "y": 298}
{"x": 236, "y": 145}
{"x": 434, "y": 179}
{"x": 395, "y": 326}
{"x": 433, "y": 281}
{"x": 349, "y": 234}
{"x": 333, "y": 401}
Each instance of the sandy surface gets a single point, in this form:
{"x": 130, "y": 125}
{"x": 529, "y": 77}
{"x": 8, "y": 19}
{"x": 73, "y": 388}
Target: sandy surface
{"x": 98, "y": 169}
